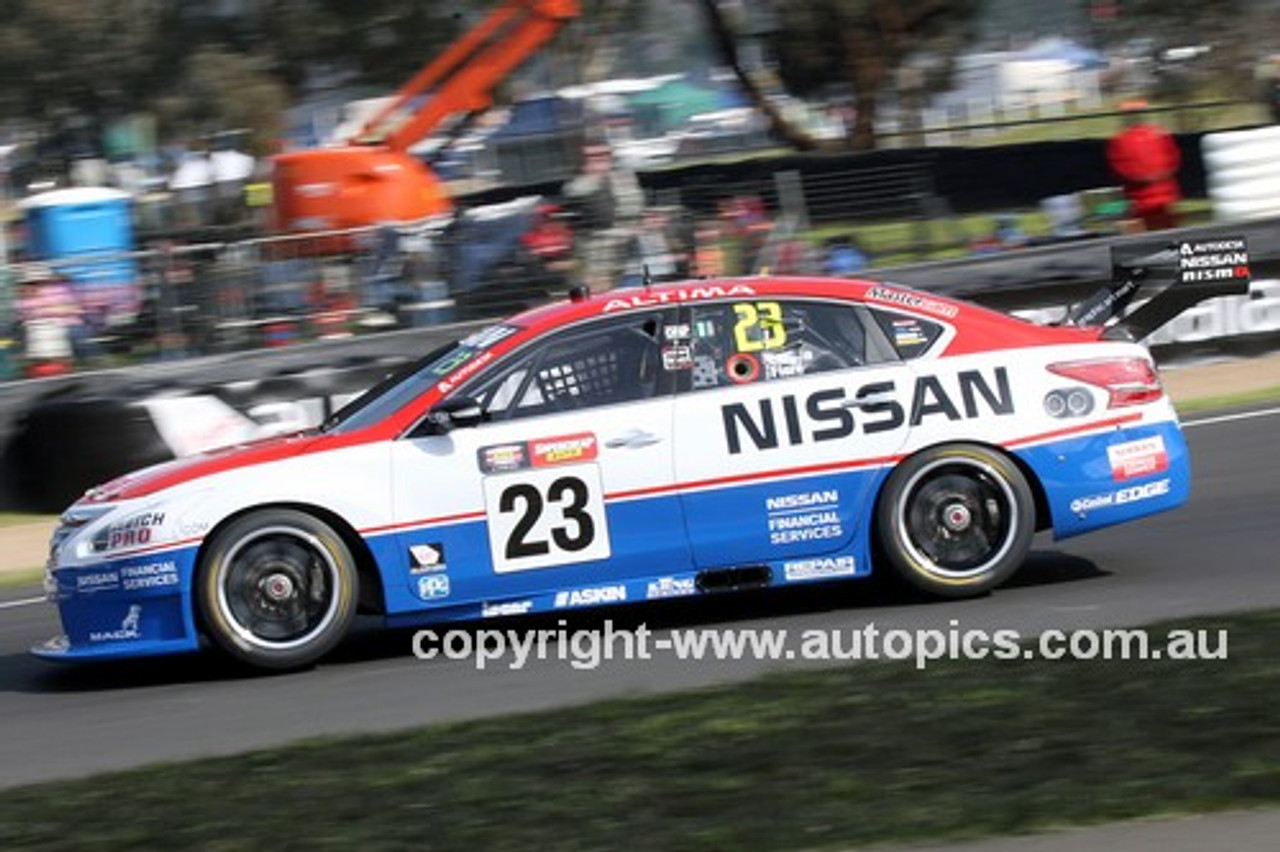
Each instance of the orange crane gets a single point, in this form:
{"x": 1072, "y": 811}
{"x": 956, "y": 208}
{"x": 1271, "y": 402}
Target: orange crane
{"x": 373, "y": 178}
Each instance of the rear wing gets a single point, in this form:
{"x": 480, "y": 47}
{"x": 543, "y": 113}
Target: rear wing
{"x": 1171, "y": 279}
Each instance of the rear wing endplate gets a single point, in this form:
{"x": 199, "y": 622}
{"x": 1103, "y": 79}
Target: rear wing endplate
{"x": 1171, "y": 278}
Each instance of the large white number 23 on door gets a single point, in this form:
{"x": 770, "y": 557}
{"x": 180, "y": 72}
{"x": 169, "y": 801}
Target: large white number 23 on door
{"x": 548, "y": 517}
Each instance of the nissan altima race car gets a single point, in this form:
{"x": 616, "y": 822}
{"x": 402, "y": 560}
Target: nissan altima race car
{"x": 657, "y": 442}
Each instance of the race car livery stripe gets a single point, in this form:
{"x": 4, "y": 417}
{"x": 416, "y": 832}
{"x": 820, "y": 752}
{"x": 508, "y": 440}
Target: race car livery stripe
{"x": 426, "y": 522}
{"x": 1073, "y": 430}
{"x": 833, "y": 467}
{"x": 761, "y": 476}
{"x": 786, "y": 473}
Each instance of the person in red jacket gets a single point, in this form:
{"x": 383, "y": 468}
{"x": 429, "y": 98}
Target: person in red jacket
{"x": 1146, "y": 159}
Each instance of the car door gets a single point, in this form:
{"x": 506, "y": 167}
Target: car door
{"x": 567, "y": 483}
{"x": 789, "y": 410}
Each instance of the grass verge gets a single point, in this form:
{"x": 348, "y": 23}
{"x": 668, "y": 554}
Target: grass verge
{"x": 11, "y": 577}
{"x": 21, "y": 577}
{"x": 831, "y": 759}
{"x": 1217, "y": 403}
{"x": 16, "y": 519}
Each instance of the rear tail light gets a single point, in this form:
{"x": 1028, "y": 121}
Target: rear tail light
{"x": 1128, "y": 381}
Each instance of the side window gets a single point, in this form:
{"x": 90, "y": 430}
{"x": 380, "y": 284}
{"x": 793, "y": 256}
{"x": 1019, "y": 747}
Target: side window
{"x": 767, "y": 340}
{"x": 910, "y": 336}
{"x": 614, "y": 361}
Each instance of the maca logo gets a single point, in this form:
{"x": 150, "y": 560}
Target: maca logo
{"x": 826, "y": 415}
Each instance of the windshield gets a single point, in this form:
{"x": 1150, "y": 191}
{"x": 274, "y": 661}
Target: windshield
{"x": 412, "y": 380}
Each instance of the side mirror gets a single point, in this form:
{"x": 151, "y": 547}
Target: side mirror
{"x": 455, "y": 413}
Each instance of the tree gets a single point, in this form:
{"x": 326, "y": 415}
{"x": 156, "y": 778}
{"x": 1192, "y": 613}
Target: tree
{"x": 1214, "y": 44}
{"x": 373, "y": 42}
{"x": 855, "y": 45}
{"x": 69, "y": 68}
{"x": 223, "y": 90}
{"x": 91, "y": 57}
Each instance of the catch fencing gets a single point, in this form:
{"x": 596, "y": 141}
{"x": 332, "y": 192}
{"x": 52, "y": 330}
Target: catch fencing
{"x": 503, "y": 252}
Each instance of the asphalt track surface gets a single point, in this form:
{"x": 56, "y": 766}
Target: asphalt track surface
{"x": 1215, "y": 556}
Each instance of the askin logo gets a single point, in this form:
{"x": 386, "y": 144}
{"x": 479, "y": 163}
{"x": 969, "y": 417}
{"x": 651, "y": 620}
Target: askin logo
{"x": 825, "y": 414}
{"x": 591, "y": 597}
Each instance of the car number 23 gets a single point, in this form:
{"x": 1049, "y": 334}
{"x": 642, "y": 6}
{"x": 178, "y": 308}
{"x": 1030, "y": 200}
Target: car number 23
{"x": 546, "y": 518}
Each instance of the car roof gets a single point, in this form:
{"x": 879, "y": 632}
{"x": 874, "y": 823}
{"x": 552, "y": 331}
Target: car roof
{"x": 548, "y": 317}
{"x": 978, "y": 328}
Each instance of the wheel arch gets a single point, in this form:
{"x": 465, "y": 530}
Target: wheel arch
{"x": 370, "y": 594}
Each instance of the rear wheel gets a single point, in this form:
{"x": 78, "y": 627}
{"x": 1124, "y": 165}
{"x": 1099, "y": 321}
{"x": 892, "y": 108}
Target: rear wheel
{"x": 277, "y": 589}
{"x": 956, "y": 520}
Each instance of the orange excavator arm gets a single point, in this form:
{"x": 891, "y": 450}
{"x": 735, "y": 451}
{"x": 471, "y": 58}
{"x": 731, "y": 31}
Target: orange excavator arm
{"x": 462, "y": 79}
{"x": 374, "y": 178}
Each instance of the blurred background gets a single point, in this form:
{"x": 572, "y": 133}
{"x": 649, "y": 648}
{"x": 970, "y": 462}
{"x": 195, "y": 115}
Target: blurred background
{"x": 166, "y": 192}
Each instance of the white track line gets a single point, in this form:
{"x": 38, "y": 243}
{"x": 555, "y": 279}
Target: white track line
{"x": 23, "y": 602}
{"x": 1228, "y": 418}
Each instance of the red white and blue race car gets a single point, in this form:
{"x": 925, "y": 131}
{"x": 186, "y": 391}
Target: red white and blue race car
{"x": 659, "y": 442}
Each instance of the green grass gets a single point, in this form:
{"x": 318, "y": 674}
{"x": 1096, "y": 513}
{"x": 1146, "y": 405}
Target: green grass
{"x": 13, "y": 519}
{"x": 1216, "y": 403}
{"x": 21, "y": 577}
{"x": 1212, "y": 114}
{"x": 832, "y": 759}
{"x": 894, "y": 243}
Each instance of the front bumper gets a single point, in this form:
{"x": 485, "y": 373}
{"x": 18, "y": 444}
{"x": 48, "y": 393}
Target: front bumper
{"x": 134, "y": 606}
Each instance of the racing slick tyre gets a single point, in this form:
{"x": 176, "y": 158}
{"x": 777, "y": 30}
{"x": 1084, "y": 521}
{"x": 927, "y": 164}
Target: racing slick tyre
{"x": 277, "y": 589}
{"x": 956, "y": 520}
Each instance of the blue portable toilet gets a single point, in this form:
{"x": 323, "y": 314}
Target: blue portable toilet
{"x": 79, "y": 221}
{"x": 86, "y": 234}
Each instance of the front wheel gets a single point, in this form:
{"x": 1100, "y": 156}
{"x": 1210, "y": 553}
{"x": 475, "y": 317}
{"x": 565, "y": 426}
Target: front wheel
{"x": 277, "y": 589}
{"x": 956, "y": 520}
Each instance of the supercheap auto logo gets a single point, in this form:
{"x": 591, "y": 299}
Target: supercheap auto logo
{"x": 540, "y": 452}
{"x": 571, "y": 448}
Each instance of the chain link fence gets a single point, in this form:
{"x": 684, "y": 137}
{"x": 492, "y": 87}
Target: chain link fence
{"x": 835, "y": 215}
